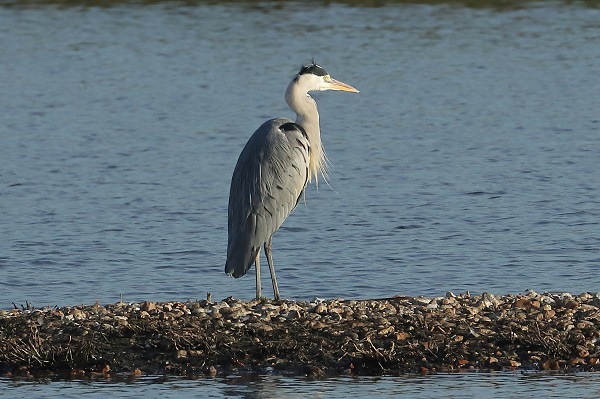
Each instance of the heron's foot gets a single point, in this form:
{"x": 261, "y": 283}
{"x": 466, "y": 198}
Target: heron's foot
{"x": 265, "y": 299}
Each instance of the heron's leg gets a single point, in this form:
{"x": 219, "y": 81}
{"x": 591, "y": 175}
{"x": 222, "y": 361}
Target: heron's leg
{"x": 268, "y": 252}
{"x": 257, "y": 265}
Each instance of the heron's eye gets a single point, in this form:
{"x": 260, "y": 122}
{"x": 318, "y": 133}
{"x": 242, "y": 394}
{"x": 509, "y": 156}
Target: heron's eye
{"x": 327, "y": 78}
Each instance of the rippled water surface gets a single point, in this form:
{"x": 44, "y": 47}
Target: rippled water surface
{"x": 451, "y": 386}
{"x": 469, "y": 161}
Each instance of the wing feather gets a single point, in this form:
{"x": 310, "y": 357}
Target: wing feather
{"x": 268, "y": 180}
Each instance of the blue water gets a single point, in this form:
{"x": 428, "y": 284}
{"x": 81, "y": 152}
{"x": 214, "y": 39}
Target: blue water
{"x": 451, "y": 386}
{"x": 468, "y": 161}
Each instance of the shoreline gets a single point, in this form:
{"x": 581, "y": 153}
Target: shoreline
{"x": 387, "y": 336}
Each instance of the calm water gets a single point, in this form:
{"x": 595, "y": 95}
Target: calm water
{"x": 469, "y": 161}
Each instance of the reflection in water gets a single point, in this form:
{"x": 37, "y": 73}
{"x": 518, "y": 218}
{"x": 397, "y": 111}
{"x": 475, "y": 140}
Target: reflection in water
{"x": 452, "y": 386}
{"x": 493, "y": 4}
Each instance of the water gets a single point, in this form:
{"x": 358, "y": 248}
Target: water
{"x": 467, "y": 162}
{"x": 451, "y": 386}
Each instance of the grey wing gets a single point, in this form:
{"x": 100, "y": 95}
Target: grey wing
{"x": 268, "y": 180}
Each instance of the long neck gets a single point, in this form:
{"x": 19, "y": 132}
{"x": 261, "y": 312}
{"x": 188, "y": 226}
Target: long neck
{"x": 307, "y": 116}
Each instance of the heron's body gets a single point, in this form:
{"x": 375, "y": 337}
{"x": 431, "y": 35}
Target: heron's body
{"x": 278, "y": 173}
{"x": 275, "y": 166}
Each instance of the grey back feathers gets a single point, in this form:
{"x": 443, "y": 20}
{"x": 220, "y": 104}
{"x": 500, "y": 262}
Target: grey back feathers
{"x": 268, "y": 180}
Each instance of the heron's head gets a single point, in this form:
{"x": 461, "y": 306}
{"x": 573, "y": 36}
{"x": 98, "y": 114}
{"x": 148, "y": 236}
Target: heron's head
{"x": 314, "y": 78}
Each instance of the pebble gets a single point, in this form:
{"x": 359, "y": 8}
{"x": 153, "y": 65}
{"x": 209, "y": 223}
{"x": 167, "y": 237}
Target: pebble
{"x": 547, "y": 331}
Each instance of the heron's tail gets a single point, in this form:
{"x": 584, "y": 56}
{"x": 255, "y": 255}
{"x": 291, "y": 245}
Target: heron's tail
{"x": 240, "y": 256}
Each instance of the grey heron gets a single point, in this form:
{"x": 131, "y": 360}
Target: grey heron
{"x": 273, "y": 169}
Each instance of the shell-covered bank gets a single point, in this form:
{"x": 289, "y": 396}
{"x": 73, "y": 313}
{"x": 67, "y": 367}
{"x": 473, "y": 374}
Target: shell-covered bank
{"x": 550, "y": 331}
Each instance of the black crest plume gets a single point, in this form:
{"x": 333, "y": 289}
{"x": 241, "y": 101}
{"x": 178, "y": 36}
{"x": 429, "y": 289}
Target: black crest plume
{"x": 314, "y": 69}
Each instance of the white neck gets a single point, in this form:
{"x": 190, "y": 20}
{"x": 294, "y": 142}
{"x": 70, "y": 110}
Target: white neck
{"x": 307, "y": 116}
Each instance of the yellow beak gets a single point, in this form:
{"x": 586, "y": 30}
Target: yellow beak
{"x": 337, "y": 85}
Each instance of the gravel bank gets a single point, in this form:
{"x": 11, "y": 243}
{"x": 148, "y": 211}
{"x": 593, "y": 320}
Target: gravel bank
{"x": 550, "y": 331}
